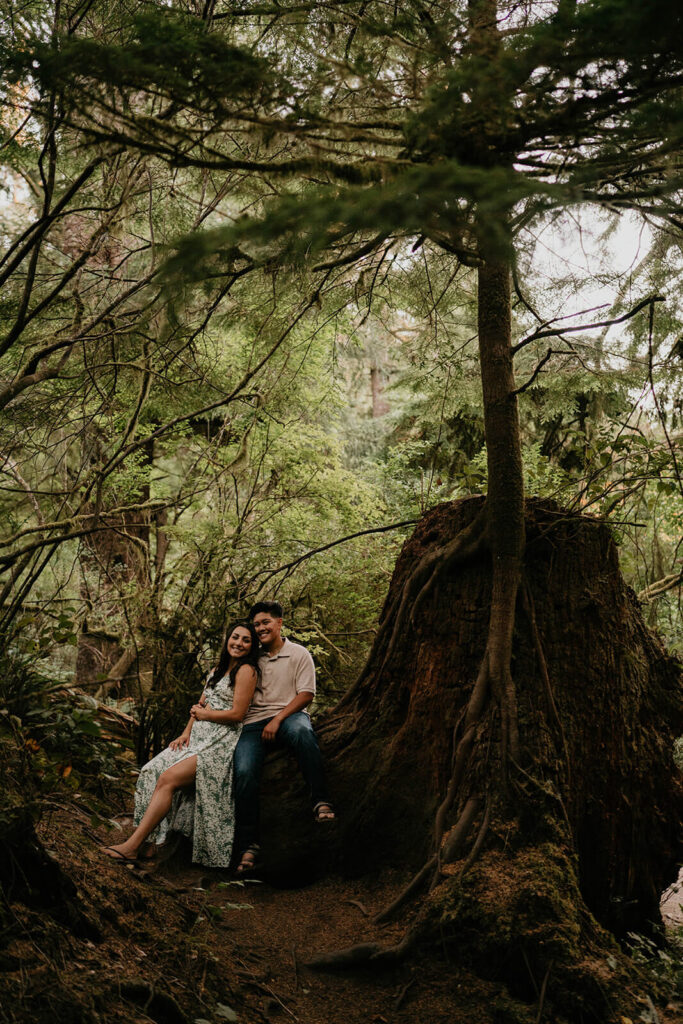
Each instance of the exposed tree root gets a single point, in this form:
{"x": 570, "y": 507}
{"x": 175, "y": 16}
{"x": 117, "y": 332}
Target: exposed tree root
{"x": 479, "y": 842}
{"x": 457, "y": 837}
{"x": 501, "y": 683}
{"x": 365, "y": 953}
{"x": 413, "y": 887}
{"x": 467, "y": 544}
{"x": 530, "y": 609}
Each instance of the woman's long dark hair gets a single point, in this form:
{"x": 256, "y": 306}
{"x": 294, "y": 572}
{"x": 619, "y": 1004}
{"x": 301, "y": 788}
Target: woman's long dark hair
{"x": 249, "y": 659}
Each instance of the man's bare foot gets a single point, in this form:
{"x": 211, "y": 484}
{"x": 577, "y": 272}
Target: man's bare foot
{"x": 248, "y": 861}
{"x": 324, "y": 811}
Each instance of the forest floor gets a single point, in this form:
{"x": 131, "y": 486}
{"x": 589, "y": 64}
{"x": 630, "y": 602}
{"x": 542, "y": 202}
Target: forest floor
{"x": 173, "y": 944}
{"x": 183, "y": 945}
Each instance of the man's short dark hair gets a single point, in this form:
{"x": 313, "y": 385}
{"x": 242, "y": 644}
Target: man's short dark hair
{"x": 273, "y": 608}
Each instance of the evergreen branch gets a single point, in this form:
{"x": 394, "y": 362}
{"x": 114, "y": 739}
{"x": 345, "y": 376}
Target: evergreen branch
{"x": 357, "y": 254}
{"x": 534, "y": 375}
{"x": 38, "y": 228}
{"x": 357, "y": 172}
{"x": 61, "y": 524}
{"x": 124, "y": 452}
{"x": 557, "y": 332}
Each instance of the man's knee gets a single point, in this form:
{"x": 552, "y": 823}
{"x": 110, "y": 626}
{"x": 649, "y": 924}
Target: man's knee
{"x": 297, "y": 731}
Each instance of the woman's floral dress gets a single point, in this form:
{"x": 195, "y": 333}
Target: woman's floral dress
{"x": 205, "y": 814}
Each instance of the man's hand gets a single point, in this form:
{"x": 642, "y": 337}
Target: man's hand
{"x": 270, "y": 731}
{"x": 182, "y": 741}
{"x": 200, "y": 713}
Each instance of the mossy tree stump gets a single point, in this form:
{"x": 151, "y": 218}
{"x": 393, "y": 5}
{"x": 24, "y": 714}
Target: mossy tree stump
{"x": 577, "y": 834}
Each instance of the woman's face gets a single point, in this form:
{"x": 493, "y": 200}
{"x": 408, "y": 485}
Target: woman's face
{"x": 239, "y": 642}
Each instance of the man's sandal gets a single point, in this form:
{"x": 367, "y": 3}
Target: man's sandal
{"x": 324, "y": 811}
{"x": 248, "y": 861}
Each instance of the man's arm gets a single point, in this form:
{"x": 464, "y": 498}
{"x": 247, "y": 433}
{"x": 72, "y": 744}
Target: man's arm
{"x": 298, "y": 703}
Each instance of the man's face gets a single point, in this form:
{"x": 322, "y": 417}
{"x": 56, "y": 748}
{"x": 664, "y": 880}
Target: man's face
{"x": 267, "y": 628}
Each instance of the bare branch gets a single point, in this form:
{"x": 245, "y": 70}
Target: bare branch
{"x": 556, "y": 332}
{"x": 659, "y": 587}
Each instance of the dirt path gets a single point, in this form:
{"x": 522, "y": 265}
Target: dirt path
{"x": 193, "y": 946}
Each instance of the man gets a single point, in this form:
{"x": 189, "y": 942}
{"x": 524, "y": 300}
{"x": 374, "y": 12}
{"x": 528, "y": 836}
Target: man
{"x": 277, "y": 716}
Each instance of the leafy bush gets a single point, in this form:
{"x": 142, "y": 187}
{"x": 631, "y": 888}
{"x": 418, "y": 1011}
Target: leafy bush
{"x": 54, "y": 726}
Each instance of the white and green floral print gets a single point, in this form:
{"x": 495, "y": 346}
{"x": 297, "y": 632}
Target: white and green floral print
{"x": 206, "y": 813}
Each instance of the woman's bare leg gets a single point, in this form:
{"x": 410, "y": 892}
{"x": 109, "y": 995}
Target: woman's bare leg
{"x": 179, "y": 775}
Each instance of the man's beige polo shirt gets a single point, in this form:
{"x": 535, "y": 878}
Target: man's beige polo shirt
{"x": 283, "y": 675}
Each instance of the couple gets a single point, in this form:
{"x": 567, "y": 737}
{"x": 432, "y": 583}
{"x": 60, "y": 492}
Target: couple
{"x": 253, "y": 699}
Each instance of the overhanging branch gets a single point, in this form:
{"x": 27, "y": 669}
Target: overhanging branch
{"x": 558, "y": 331}
{"x": 269, "y": 573}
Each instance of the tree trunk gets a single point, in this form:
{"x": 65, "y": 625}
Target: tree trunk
{"x": 505, "y": 497}
{"x": 115, "y": 570}
{"x": 380, "y": 406}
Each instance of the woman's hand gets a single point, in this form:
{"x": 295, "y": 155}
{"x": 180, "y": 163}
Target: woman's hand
{"x": 182, "y": 741}
{"x": 200, "y": 712}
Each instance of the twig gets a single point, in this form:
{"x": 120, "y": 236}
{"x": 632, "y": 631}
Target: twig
{"x": 273, "y": 995}
{"x": 403, "y": 993}
{"x": 534, "y": 375}
{"x": 541, "y": 998}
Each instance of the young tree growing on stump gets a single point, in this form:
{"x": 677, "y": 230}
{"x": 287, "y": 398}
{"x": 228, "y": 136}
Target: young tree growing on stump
{"x": 436, "y": 125}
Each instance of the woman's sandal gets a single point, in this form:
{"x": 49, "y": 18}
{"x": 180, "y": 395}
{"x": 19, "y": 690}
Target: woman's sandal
{"x": 117, "y": 856}
{"x": 248, "y": 861}
{"x": 324, "y": 811}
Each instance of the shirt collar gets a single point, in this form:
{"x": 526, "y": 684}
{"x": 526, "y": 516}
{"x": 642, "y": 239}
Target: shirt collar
{"x": 282, "y": 653}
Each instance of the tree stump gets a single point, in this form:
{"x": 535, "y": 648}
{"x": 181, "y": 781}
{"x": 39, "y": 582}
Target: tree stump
{"x": 584, "y": 828}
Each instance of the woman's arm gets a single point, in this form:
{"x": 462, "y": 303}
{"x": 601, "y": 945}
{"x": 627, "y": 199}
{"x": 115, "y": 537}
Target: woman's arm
{"x": 184, "y": 739}
{"x": 245, "y": 684}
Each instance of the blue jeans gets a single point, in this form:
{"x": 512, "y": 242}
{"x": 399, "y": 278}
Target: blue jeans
{"x": 296, "y": 733}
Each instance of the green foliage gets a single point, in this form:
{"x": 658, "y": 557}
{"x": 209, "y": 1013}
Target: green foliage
{"x": 168, "y": 54}
{"x": 55, "y": 727}
{"x": 662, "y": 960}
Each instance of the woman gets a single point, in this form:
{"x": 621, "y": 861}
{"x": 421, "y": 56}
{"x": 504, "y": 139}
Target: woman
{"x": 202, "y": 754}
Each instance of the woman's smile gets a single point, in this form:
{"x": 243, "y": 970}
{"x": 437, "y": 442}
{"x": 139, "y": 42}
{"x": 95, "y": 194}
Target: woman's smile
{"x": 239, "y": 643}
